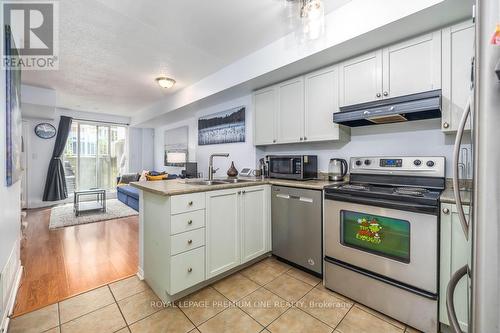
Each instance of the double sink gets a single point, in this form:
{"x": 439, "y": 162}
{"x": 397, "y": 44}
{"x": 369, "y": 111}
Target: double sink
{"x": 219, "y": 181}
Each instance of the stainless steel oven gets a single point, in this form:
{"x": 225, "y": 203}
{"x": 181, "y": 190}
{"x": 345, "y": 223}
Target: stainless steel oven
{"x": 397, "y": 244}
{"x": 298, "y": 167}
{"x": 381, "y": 236}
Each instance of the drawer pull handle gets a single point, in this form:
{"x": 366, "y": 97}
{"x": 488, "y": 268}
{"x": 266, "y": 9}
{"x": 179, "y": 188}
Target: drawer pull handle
{"x": 190, "y": 222}
{"x": 190, "y": 241}
{"x": 446, "y": 211}
{"x": 190, "y": 203}
{"x": 190, "y": 270}
{"x": 446, "y": 125}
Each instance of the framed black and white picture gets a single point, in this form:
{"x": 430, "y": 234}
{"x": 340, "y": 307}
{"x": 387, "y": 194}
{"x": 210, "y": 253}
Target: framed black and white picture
{"x": 45, "y": 131}
{"x": 13, "y": 121}
{"x": 222, "y": 127}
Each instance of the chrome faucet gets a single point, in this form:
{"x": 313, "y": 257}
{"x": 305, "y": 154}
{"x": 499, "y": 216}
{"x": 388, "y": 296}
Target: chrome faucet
{"x": 211, "y": 170}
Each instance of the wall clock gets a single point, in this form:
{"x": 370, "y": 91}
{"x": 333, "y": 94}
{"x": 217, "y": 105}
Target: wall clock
{"x": 45, "y": 130}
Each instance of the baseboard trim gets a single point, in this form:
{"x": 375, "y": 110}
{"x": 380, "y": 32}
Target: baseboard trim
{"x": 12, "y": 300}
{"x": 140, "y": 273}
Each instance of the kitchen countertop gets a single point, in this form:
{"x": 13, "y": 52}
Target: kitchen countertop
{"x": 179, "y": 186}
{"x": 447, "y": 196}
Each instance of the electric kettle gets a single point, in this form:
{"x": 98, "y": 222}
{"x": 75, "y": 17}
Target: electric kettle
{"x": 337, "y": 169}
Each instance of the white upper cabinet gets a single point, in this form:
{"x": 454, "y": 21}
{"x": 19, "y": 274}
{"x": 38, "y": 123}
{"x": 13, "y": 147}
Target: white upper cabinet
{"x": 405, "y": 68}
{"x": 290, "y": 119}
{"x": 412, "y": 66}
{"x": 222, "y": 231}
{"x": 458, "y": 50}
{"x": 265, "y": 103}
{"x": 361, "y": 79}
{"x": 301, "y": 109}
{"x": 255, "y": 226}
{"x": 321, "y": 101}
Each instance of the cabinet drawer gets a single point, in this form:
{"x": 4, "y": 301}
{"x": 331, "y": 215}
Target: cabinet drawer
{"x": 187, "y": 221}
{"x": 187, "y": 269}
{"x": 187, "y": 202}
{"x": 187, "y": 241}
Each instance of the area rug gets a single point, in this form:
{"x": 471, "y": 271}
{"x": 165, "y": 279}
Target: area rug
{"x": 63, "y": 216}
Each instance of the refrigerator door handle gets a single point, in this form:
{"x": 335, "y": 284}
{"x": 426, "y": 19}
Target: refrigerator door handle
{"x": 456, "y": 169}
{"x": 450, "y": 291}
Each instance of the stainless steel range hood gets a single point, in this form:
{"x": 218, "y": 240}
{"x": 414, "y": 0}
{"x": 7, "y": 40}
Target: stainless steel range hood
{"x": 419, "y": 106}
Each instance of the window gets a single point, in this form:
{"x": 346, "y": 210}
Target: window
{"x": 94, "y": 156}
{"x": 381, "y": 235}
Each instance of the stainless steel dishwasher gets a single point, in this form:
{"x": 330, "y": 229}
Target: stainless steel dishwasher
{"x": 297, "y": 226}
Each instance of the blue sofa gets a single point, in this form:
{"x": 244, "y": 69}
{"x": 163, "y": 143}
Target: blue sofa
{"x": 129, "y": 195}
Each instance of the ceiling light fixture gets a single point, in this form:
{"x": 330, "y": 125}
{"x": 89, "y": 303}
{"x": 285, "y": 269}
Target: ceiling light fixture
{"x": 165, "y": 82}
{"x": 312, "y": 9}
{"x": 312, "y": 13}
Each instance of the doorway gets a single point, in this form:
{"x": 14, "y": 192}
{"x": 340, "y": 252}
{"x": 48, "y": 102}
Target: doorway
{"x": 94, "y": 156}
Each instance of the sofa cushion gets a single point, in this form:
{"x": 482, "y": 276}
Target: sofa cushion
{"x": 128, "y": 177}
{"x": 129, "y": 190}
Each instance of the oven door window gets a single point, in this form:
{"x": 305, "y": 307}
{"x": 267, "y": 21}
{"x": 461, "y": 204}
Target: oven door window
{"x": 380, "y": 235}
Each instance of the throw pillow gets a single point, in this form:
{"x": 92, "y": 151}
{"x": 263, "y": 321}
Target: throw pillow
{"x": 143, "y": 176}
{"x": 156, "y": 173}
{"x": 159, "y": 177}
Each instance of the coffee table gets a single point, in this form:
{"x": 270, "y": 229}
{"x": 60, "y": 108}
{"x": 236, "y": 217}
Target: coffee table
{"x": 99, "y": 204}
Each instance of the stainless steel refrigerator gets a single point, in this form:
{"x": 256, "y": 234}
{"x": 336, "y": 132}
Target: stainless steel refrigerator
{"x": 482, "y": 226}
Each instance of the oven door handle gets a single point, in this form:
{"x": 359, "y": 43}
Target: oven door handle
{"x": 450, "y": 292}
{"x": 456, "y": 168}
{"x": 381, "y": 202}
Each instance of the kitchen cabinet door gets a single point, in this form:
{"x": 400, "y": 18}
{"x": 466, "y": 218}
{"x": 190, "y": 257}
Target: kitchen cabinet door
{"x": 412, "y": 66}
{"x": 458, "y": 50}
{"x": 222, "y": 231}
{"x": 454, "y": 253}
{"x": 265, "y": 104}
{"x": 361, "y": 79}
{"x": 290, "y": 119}
{"x": 321, "y": 101}
{"x": 255, "y": 222}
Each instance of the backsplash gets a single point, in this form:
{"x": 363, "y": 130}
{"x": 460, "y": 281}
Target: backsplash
{"x": 413, "y": 138}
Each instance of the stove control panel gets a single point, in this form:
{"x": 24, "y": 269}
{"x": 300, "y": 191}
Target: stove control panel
{"x": 427, "y": 166}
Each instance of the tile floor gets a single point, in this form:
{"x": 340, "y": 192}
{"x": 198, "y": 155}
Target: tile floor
{"x": 269, "y": 296}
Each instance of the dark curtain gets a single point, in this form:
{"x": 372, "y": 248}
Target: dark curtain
{"x": 55, "y": 184}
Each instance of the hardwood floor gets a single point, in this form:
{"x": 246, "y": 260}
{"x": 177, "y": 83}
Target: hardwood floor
{"x": 65, "y": 262}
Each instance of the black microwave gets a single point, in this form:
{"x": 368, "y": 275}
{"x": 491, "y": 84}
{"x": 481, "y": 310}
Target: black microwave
{"x": 298, "y": 167}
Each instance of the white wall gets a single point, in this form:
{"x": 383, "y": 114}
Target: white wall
{"x": 10, "y": 209}
{"x": 141, "y": 149}
{"x": 242, "y": 153}
{"x": 39, "y": 151}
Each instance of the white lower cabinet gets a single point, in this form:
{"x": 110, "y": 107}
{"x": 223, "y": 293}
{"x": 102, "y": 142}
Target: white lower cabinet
{"x": 254, "y": 220}
{"x": 191, "y": 238}
{"x": 223, "y": 231}
{"x": 187, "y": 241}
{"x": 237, "y": 227}
{"x": 188, "y": 269}
{"x": 454, "y": 253}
